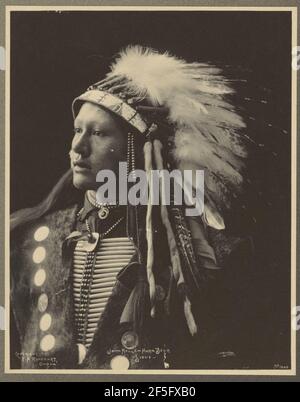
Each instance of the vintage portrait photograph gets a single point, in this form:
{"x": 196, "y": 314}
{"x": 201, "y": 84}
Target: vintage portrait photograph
{"x": 150, "y": 171}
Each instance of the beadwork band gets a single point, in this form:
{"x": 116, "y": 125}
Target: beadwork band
{"x": 115, "y": 105}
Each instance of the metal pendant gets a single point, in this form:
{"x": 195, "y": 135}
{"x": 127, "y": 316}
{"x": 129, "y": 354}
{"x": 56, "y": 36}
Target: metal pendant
{"x": 103, "y": 212}
{"x": 130, "y": 340}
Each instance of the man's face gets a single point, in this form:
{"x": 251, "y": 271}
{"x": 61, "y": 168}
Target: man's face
{"x": 99, "y": 143}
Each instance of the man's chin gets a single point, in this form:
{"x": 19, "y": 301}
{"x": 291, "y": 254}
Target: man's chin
{"x": 82, "y": 183}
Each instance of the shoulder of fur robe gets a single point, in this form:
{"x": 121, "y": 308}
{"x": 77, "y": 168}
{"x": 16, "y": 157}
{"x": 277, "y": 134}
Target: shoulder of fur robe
{"x": 35, "y": 243}
{"x": 59, "y": 221}
{"x": 36, "y": 262}
{"x": 223, "y": 243}
{"x": 230, "y": 248}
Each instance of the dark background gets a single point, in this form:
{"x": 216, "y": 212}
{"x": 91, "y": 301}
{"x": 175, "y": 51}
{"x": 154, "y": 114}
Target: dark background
{"x": 56, "y": 55}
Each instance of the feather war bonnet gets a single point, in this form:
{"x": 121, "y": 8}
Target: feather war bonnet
{"x": 196, "y": 98}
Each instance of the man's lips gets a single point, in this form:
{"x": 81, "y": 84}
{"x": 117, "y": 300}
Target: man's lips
{"x": 81, "y": 166}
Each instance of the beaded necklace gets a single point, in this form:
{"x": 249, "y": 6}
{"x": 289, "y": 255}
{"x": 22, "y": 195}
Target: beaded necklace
{"x": 87, "y": 276}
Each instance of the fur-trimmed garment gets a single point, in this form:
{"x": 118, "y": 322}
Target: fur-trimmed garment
{"x": 166, "y": 342}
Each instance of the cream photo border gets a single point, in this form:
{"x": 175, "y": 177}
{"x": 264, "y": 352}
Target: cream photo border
{"x": 272, "y": 372}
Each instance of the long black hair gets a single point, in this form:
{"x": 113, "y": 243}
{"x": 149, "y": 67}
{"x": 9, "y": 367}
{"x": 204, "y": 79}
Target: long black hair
{"x": 62, "y": 195}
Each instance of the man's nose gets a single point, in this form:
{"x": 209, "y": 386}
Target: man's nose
{"x": 81, "y": 144}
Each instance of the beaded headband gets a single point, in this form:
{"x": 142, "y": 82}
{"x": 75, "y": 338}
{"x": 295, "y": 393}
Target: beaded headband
{"x": 115, "y": 105}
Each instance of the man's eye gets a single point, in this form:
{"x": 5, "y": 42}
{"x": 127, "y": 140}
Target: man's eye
{"x": 77, "y": 130}
{"x": 98, "y": 133}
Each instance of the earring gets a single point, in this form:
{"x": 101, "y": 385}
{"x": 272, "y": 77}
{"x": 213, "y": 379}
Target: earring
{"x": 131, "y": 155}
{"x": 128, "y": 153}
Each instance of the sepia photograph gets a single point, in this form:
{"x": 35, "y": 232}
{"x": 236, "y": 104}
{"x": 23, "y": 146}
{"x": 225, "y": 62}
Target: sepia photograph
{"x": 150, "y": 211}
